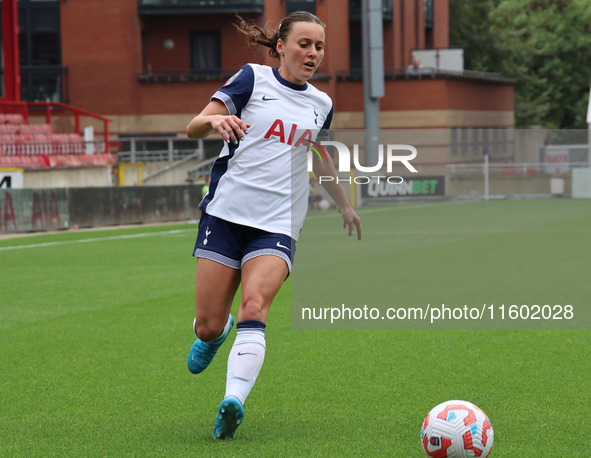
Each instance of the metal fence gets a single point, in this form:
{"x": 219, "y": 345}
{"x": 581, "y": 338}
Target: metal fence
{"x": 154, "y": 149}
{"x": 43, "y": 83}
{"x": 510, "y": 168}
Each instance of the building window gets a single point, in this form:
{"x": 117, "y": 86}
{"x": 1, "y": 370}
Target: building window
{"x": 42, "y": 76}
{"x": 454, "y": 141}
{"x": 355, "y": 56}
{"x": 206, "y": 54}
{"x": 475, "y": 141}
{"x": 300, "y": 5}
{"x": 39, "y": 32}
{"x": 464, "y": 141}
{"x": 504, "y": 139}
{"x": 485, "y": 147}
{"x": 429, "y": 14}
{"x": 496, "y": 143}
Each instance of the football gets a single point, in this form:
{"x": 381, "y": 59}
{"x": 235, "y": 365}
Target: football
{"x": 323, "y": 205}
{"x": 457, "y": 429}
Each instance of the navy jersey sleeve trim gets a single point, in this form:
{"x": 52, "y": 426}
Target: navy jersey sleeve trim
{"x": 226, "y": 100}
{"x": 323, "y": 134}
{"x": 236, "y": 93}
{"x": 328, "y": 120}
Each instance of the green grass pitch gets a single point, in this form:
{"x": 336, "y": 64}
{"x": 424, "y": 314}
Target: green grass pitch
{"x": 94, "y": 336}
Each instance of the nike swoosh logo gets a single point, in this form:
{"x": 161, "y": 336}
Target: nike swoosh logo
{"x": 240, "y": 354}
{"x": 266, "y": 99}
{"x": 282, "y": 246}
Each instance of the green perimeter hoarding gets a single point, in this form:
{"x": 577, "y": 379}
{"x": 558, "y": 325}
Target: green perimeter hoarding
{"x": 410, "y": 187}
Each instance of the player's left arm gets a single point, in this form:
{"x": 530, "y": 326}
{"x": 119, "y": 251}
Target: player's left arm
{"x": 326, "y": 169}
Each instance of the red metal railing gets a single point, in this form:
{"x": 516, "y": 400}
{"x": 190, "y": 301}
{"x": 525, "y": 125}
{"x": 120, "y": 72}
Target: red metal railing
{"x": 23, "y": 108}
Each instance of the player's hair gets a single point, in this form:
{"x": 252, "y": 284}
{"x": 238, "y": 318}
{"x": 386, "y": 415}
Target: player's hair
{"x": 263, "y": 36}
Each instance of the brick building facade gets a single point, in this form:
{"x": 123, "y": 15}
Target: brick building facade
{"x": 137, "y": 62}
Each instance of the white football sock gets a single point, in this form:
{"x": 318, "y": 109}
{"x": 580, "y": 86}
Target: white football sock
{"x": 245, "y": 362}
{"x": 224, "y": 330}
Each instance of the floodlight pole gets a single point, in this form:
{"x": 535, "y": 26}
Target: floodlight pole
{"x": 12, "y": 78}
{"x": 373, "y": 75}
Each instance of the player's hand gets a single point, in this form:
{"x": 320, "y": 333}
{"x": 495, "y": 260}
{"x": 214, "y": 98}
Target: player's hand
{"x": 351, "y": 221}
{"x": 231, "y": 128}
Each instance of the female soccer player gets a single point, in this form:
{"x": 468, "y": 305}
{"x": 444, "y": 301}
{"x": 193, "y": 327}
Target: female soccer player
{"x": 257, "y": 199}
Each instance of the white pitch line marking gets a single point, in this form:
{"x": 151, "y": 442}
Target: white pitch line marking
{"x": 96, "y": 239}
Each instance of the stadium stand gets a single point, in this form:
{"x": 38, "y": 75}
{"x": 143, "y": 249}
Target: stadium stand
{"x": 27, "y": 146}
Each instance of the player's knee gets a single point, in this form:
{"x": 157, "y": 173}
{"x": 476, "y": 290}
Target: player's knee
{"x": 207, "y": 332}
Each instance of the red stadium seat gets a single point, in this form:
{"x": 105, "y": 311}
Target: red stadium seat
{"x": 34, "y": 128}
{"x": 23, "y": 162}
{"x": 81, "y": 160}
{"x": 11, "y": 119}
{"x": 37, "y": 145}
{"x": 9, "y": 128}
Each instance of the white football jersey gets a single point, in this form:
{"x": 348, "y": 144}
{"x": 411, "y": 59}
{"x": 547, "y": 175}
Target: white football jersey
{"x": 263, "y": 181}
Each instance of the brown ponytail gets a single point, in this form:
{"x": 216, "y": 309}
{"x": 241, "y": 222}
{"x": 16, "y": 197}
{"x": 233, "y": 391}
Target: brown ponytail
{"x": 258, "y": 36}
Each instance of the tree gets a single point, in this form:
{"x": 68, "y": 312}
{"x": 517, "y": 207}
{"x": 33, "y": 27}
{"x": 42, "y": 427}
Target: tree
{"x": 469, "y": 28}
{"x": 544, "y": 44}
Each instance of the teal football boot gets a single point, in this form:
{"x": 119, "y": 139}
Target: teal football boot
{"x": 229, "y": 416}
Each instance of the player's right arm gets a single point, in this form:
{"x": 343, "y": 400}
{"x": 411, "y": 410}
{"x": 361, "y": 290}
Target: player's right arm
{"x": 215, "y": 116}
